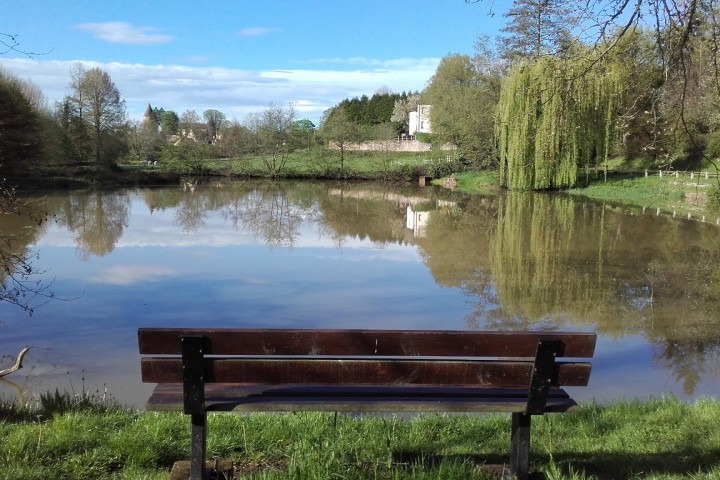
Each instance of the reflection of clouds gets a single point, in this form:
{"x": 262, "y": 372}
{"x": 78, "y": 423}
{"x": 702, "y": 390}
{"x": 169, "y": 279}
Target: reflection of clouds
{"x": 131, "y": 274}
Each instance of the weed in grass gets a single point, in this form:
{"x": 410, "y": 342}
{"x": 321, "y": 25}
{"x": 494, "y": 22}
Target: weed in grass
{"x": 55, "y": 403}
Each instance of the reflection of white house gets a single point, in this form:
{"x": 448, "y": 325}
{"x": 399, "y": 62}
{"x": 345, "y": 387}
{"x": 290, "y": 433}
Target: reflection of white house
{"x": 419, "y": 121}
{"x": 417, "y": 221}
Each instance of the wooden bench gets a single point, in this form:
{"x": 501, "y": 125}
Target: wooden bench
{"x": 251, "y": 370}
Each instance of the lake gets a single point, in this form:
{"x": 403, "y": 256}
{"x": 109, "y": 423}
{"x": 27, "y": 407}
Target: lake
{"x": 325, "y": 255}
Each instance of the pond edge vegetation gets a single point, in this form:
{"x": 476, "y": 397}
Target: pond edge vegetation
{"x": 90, "y": 436}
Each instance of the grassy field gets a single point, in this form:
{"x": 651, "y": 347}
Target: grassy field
{"x": 658, "y": 439}
{"x": 314, "y": 163}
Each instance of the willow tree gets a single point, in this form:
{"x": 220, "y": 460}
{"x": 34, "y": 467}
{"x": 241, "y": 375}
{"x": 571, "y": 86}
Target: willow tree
{"x": 554, "y": 116}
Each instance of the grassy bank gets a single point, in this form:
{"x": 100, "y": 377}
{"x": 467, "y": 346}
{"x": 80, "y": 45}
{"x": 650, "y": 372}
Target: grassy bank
{"x": 680, "y": 196}
{"x": 313, "y": 163}
{"x": 674, "y": 193}
{"x": 659, "y": 439}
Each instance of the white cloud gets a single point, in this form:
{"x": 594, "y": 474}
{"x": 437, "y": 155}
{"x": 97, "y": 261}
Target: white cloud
{"x": 132, "y": 274}
{"x": 256, "y": 31}
{"x": 124, "y": 33}
{"x": 235, "y": 92}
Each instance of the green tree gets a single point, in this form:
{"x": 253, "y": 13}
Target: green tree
{"x": 552, "y": 121}
{"x": 641, "y": 128}
{"x": 463, "y": 94}
{"x": 536, "y": 28}
{"x": 339, "y": 130}
{"x": 215, "y": 120}
{"x": 19, "y": 127}
{"x": 77, "y": 141}
{"x": 190, "y": 127}
{"x": 95, "y": 101}
{"x": 304, "y": 132}
{"x": 237, "y": 140}
{"x": 170, "y": 122}
{"x": 157, "y": 114}
{"x": 273, "y": 128}
{"x": 145, "y": 141}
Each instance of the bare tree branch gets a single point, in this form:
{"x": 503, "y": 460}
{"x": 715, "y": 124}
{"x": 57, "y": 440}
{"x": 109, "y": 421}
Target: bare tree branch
{"x": 9, "y": 43}
{"x": 18, "y": 363}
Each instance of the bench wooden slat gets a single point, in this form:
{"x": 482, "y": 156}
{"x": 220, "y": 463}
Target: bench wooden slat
{"x": 224, "y": 341}
{"x": 364, "y": 372}
{"x": 256, "y": 398}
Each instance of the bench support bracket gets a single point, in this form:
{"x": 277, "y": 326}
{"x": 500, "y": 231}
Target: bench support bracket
{"x": 194, "y": 402}
{"x": 540, "y": 382}
{"x": 520, "y": 445}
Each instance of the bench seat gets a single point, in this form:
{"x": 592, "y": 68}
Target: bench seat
{"x": 322, "y": 398}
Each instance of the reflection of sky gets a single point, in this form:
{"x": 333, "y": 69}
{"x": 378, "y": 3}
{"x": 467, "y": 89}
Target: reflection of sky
{"x": 225, "y": 276}
{"x": 217, "y": 276}
{"x": 622, "y": 369}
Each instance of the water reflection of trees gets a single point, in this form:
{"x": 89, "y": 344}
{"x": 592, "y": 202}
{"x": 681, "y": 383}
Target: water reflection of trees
{"x": 524, "y": 260}
{"x": 271, "y": 213}
{"x": 98, "y": 219}
{"x": 365, "y": 213}
{"x": 548, "y": 261}
{"x": 22, "y": 222}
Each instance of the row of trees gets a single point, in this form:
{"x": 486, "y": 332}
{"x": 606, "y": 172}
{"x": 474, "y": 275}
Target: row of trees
{"x": 86, "y": 127}
{"x": 564, "y": 88}
{"x": 590, "y": 87}
{"x": 579, "y": 84}
{"x": 89, "y": 129}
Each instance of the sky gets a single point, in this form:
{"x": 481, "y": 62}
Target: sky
{"x": 241, "y": 56}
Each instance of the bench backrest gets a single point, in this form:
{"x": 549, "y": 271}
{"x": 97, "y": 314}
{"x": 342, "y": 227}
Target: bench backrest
{"x": 366, "y": 357}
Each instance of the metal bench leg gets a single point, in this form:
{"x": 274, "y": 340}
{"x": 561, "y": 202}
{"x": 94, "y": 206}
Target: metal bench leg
{"x": 520, "y": 445}
{"x": 198, "y": 435}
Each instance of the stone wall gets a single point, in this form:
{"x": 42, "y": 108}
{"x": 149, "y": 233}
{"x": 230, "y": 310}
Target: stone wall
{"x": 389, "y": 146}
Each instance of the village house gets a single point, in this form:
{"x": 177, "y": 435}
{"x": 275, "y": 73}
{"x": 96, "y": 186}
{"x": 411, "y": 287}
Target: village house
{"x": 419, "y": 121}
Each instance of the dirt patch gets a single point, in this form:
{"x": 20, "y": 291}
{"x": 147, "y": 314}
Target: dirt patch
{"x": 697, "y": 199}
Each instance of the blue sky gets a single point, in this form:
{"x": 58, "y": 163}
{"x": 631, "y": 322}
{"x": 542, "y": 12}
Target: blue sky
{"x": 241, "y": 56}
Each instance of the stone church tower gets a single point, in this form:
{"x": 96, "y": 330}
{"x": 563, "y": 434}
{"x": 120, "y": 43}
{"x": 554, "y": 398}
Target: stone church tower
{"x": 148, "y": 115}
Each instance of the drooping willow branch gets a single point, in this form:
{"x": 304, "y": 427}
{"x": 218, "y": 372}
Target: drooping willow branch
{"x": 551, "y": 121}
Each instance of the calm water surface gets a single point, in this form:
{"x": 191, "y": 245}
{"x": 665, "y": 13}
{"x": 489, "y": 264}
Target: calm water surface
{"x": 320, "y": 255}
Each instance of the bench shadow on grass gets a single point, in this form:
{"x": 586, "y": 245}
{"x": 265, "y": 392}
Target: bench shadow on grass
{"x": 604, "y": 465}
{"x": 688, "y": 461}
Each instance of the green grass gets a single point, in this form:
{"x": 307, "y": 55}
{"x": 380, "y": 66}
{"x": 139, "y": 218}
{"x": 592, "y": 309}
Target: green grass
{"x": 658, "y": 439}
{"x": 668, "y": 194}
{"x": 680, "y": 196}
{"x": 484, "y": 182}
{"x": 313, "y": 163}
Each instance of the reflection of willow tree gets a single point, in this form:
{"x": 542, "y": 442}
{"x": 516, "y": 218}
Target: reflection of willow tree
{"x": 549, "y": 261}
{"x": 97, "y": 218}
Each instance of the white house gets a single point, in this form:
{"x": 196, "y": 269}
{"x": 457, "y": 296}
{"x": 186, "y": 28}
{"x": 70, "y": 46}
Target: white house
{"x": 419, "y": 121}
